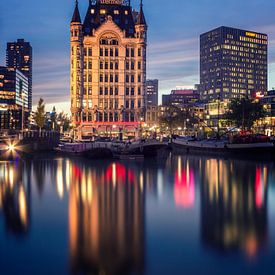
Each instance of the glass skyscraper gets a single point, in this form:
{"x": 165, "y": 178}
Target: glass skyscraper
{"x": 233, "y": 64}
{"x": 19, "y": 57}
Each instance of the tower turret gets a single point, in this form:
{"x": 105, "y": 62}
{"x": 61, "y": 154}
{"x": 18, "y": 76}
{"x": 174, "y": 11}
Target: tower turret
{"x": 141, "y": 25}
{"x": 76, "y": 66}
{"x": 141, "y": 34}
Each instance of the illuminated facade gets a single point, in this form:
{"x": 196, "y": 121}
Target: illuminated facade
{"x": 13, "y": 99}
{"x": 108, "y": 67}
{"x": 233, "y": 64}
{"x": 19, "y": 57}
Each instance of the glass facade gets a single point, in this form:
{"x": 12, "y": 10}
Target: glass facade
{"x": 233, "y": 63}
{"x": 13, "y": 98}
{"x": 19, "y": 56}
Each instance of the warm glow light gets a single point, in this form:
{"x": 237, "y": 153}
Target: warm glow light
{"x": 59, "y": 180}
{"x": 22, "y": 206}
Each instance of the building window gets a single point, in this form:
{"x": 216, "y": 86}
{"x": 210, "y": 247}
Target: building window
{"x": 101, "y": 91}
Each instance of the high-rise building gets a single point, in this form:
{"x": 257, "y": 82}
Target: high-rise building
{"x": 108, "y": 67}
{"x": 233, "y": 64}
{"x": 13, "y": 99}
{"x": 152, "y": 93}
{"x": 19, "y": 57}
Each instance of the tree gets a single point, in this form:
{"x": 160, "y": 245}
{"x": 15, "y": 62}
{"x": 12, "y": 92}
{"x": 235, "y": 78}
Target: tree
{"x": 244, "y": 112}
{"x": 39, "y": 116}
{"x": 174, "y": 117}
{"x": 63, "y": 122}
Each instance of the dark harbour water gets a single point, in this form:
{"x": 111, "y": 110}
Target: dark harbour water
{"x": 188, "y": 215}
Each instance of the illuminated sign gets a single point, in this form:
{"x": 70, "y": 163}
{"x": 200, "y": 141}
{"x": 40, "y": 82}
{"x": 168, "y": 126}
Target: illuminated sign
{"x": 111, "y": 2}
{"x": 258, "y": 95}
{"x": 251, "y": 34}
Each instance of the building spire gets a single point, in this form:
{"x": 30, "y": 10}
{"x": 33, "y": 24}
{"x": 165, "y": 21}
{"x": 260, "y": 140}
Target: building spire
{"x": 76, "y": 16}
{"x": 141, "y": 17}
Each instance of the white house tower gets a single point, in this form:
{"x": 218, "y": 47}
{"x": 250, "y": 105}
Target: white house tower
{"x": 108, "y": 67}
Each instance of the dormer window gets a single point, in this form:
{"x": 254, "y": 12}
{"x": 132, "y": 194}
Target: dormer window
{"x": 92, "y": 11}
{"x": 116, "y": 11}
{"x": 102, "y": 11}
{"x": 126, "y": 12}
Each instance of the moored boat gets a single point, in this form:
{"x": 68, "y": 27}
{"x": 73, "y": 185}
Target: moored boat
{"x": 249, "y": 144}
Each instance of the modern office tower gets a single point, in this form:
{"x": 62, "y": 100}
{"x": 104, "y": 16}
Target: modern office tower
{"x": 152, "y": 87}
{"x": 19, "y": 57}
{"x": 13, "y": 99}
{"x": 233, "y": 64}
{"x": 108, "y": 67}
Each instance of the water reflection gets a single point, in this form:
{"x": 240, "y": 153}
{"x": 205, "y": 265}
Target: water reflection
{"x": 101, "y": 209}
{"x": 184, "y": 188}
{"x": 234, "y": 205}
{"x": 14, "y": 198}
{"x": 106, "y": 220}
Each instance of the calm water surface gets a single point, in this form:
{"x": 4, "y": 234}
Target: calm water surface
{"x": 188, "y": 215}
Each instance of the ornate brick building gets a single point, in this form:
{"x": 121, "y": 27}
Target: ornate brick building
{"x": 108, "y": 67}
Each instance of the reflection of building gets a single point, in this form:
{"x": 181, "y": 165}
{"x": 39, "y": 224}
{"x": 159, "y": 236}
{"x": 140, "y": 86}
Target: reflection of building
{"x": 13, "y": 99}
{"x": 106, "y": 221}
{"x": 108, "y": 66}
{"x": 19, "y": 57}
{"x": 234, "y": 206}
{"x": 14, "y": 199}
{"x": 152, "y": 92}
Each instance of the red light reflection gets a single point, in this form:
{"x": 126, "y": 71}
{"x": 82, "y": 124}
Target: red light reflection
{"x": 184, "y": 189}
{"x": 117, "y": 172}
{"x": 259, "y": 189}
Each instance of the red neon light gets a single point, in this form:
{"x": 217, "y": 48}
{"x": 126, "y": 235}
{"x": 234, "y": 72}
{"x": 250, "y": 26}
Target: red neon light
{"x": 111, "y": 123}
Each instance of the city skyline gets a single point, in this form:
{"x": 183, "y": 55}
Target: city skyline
{"x": 178, "y": 66}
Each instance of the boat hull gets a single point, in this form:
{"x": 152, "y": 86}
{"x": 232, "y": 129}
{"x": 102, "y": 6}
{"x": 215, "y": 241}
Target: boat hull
{"x": 253, "y": 149}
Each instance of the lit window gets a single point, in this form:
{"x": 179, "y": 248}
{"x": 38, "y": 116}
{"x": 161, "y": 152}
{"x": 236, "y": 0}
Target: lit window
{"x": 102, "y": 11}
{"x": 126, "y": 12}
{"x": 116, "y": 11}
{"x": 92, "y": 11}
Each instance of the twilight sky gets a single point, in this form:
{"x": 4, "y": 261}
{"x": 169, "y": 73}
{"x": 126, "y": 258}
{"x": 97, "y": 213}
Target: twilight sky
{"x": 173, "y": 46}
